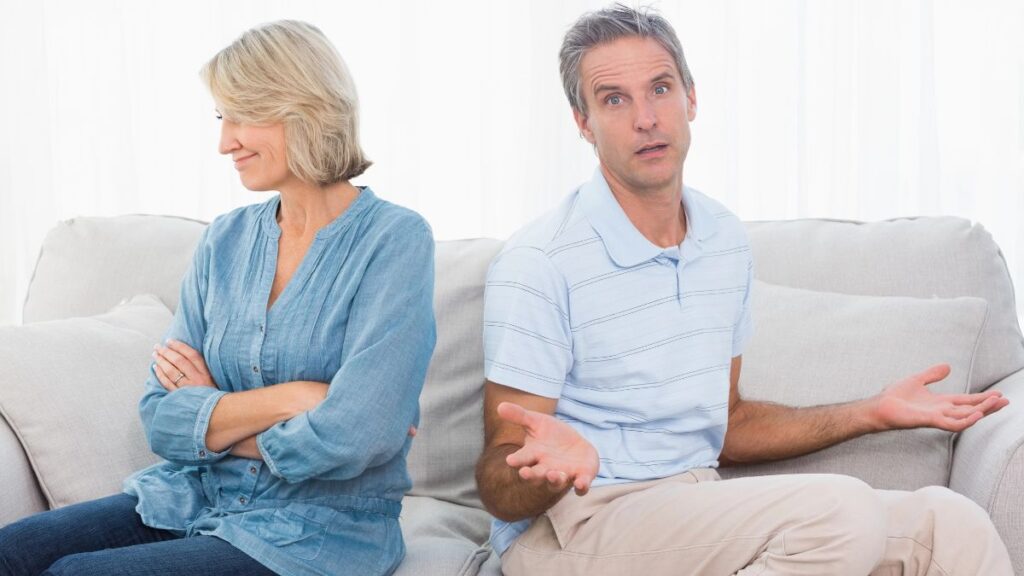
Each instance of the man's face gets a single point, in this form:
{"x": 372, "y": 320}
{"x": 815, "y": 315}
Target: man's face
{"x": 638, "y": 113}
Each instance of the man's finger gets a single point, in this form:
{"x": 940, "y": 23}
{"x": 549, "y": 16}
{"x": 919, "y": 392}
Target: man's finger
{"x": 516, "y": 414}
{"x": 557, "y": 480}
{"x": 999, "y": 405}
{"x": 958, "y": 424}
{"x": 972, "y": 399}
{"x": 582, "y": 484}
{"x": 991, "y": 405}
{"x": 957, "y": 412}
{"x": 934, "y": 374}
{"x": 522, "y": 457}
{"x": 529, "y": 473}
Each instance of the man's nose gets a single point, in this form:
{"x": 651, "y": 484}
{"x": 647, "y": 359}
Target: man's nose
{"x": 646, "y": 119}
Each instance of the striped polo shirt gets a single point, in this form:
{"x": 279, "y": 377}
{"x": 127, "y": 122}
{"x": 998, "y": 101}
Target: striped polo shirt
{"x": 634, "y": 340}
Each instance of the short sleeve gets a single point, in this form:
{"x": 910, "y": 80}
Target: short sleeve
{"x": 527, "y": 335}
{"x": 744, "y": 327}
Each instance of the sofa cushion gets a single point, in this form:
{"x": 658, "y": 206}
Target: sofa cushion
{"x": 813, "y": 348}
{"x": 70, "y": 392}
{"x": 20, "y": 495}
{"x": 921, "y": 257}
{"x": 87, "y": 265}
{"x": 451, "y": 434}
{"x": 442, "y": 538}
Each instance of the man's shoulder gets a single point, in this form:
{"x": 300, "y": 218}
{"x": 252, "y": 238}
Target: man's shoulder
{"x": 731, "y": 228}
{"x": 544, "y": 236}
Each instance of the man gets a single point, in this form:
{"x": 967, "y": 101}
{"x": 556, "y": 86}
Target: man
{"x": 614, "y": 332}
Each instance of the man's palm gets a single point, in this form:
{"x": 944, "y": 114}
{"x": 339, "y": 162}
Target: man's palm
{"x": 910, "y": 404}
{"x": 553, "y": 452}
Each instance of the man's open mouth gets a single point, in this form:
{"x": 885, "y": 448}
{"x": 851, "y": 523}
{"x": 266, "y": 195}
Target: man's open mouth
{"x": 652, "y": 148}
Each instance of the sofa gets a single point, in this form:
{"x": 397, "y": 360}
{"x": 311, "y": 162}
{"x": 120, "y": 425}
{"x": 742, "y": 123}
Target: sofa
{"x": 841, "y": 309}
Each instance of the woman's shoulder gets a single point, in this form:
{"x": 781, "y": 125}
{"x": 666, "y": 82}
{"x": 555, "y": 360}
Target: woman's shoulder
{"x": 234, "y": 223}
{"x": 391, "y": 220}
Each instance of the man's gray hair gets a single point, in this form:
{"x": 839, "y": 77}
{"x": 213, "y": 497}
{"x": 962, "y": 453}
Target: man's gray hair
{"x": 608, "y": 24}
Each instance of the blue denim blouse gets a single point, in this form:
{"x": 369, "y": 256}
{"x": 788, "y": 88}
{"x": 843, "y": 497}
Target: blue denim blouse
{"x": 357, "y": 313}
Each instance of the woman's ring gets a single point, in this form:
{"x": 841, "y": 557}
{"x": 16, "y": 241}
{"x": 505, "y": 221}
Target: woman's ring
{"x": 180, "y": 376}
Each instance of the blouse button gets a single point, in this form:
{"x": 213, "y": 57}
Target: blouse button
{"x": 241, "y": 499}
{"x": 202, "y": 453}
{"x": 252, "y": 469}
{"x": 256, "y": 369}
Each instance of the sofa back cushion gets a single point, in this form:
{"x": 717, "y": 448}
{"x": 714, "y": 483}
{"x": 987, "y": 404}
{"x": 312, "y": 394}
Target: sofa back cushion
{"x": 815, "y": 348}
{"x": 945, "y": 257}
{"x": 87, "y": 265}
{"x": 451, "y": 432}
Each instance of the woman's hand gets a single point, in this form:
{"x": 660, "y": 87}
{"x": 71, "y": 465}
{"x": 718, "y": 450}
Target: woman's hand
{"x": 178, "y": 365}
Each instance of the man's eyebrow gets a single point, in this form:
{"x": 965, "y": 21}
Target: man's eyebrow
{"x": 605, "y": 88}
{"x": 662, "y": 77}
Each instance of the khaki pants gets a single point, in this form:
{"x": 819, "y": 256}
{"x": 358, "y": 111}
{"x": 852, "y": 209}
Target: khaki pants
{"x": 815, "y": 524}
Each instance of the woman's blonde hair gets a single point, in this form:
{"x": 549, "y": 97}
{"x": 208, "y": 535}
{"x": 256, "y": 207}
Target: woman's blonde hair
{"x": 288, "y": 71}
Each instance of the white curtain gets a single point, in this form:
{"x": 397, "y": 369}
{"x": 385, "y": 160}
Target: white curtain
{"x": 854, "y": 109}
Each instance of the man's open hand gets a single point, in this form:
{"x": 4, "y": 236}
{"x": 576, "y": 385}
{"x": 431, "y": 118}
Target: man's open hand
{"x": 553, "y": 454}
{"x": 910, "y": 404}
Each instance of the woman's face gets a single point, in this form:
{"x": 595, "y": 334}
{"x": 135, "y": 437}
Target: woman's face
{"x": 259, "y": 153}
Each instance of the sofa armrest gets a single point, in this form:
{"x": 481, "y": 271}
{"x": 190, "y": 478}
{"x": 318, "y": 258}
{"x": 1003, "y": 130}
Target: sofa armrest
{"x": 988, "y": 466}
{"x": 19, "y": 492}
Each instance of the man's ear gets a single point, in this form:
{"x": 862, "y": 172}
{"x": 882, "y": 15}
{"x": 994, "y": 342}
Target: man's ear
{"x": 583, "y": 123}
{"x": 691, "y": 103}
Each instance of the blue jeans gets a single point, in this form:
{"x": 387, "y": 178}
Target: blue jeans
{"x": 107, "y": 537}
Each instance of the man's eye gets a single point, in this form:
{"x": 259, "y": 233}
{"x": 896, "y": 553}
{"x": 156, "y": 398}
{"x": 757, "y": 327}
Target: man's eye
{"x": 661, "y": 90}
{"x": 614, "y": 100}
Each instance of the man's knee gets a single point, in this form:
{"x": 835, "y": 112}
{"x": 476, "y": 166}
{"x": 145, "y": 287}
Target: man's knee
{"x": 849, "y": 527}
{"x": 956, "y": 510}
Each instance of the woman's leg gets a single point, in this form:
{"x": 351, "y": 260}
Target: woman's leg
{"x": 30, "y": 545}
{"x": 194, "y": 556}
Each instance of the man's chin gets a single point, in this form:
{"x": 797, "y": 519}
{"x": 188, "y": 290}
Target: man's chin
{"x": 653, "y": 181}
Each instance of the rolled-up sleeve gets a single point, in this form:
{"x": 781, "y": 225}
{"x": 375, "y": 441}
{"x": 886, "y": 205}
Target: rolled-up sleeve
{"x": 374, "y": 396}
{"x": 176, "y": 422}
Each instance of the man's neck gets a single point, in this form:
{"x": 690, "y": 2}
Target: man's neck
{"x": 656, "y": 213}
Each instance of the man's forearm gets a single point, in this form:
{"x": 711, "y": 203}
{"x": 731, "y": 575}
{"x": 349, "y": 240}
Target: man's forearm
{"x": 762, "y": 431}
{"x": 507, "y": 496}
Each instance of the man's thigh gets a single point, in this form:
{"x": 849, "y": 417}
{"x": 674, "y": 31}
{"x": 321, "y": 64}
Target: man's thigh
{"x": 693, "y": 522}
{"x": 195, "y": 556}
{"x": 31, "y": 544}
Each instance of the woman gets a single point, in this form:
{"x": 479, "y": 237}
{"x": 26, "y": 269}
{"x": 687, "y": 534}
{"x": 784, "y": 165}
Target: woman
{"x": 284, "y": 397}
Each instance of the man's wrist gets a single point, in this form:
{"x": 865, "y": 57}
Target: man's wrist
{"x": 868, "y": 412}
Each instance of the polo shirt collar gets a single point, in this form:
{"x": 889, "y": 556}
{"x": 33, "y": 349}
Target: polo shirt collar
{"x": 624, "y": 243}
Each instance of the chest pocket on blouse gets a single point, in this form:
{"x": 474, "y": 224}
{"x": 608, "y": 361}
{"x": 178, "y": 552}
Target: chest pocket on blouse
{"x": 299, "y": 529}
